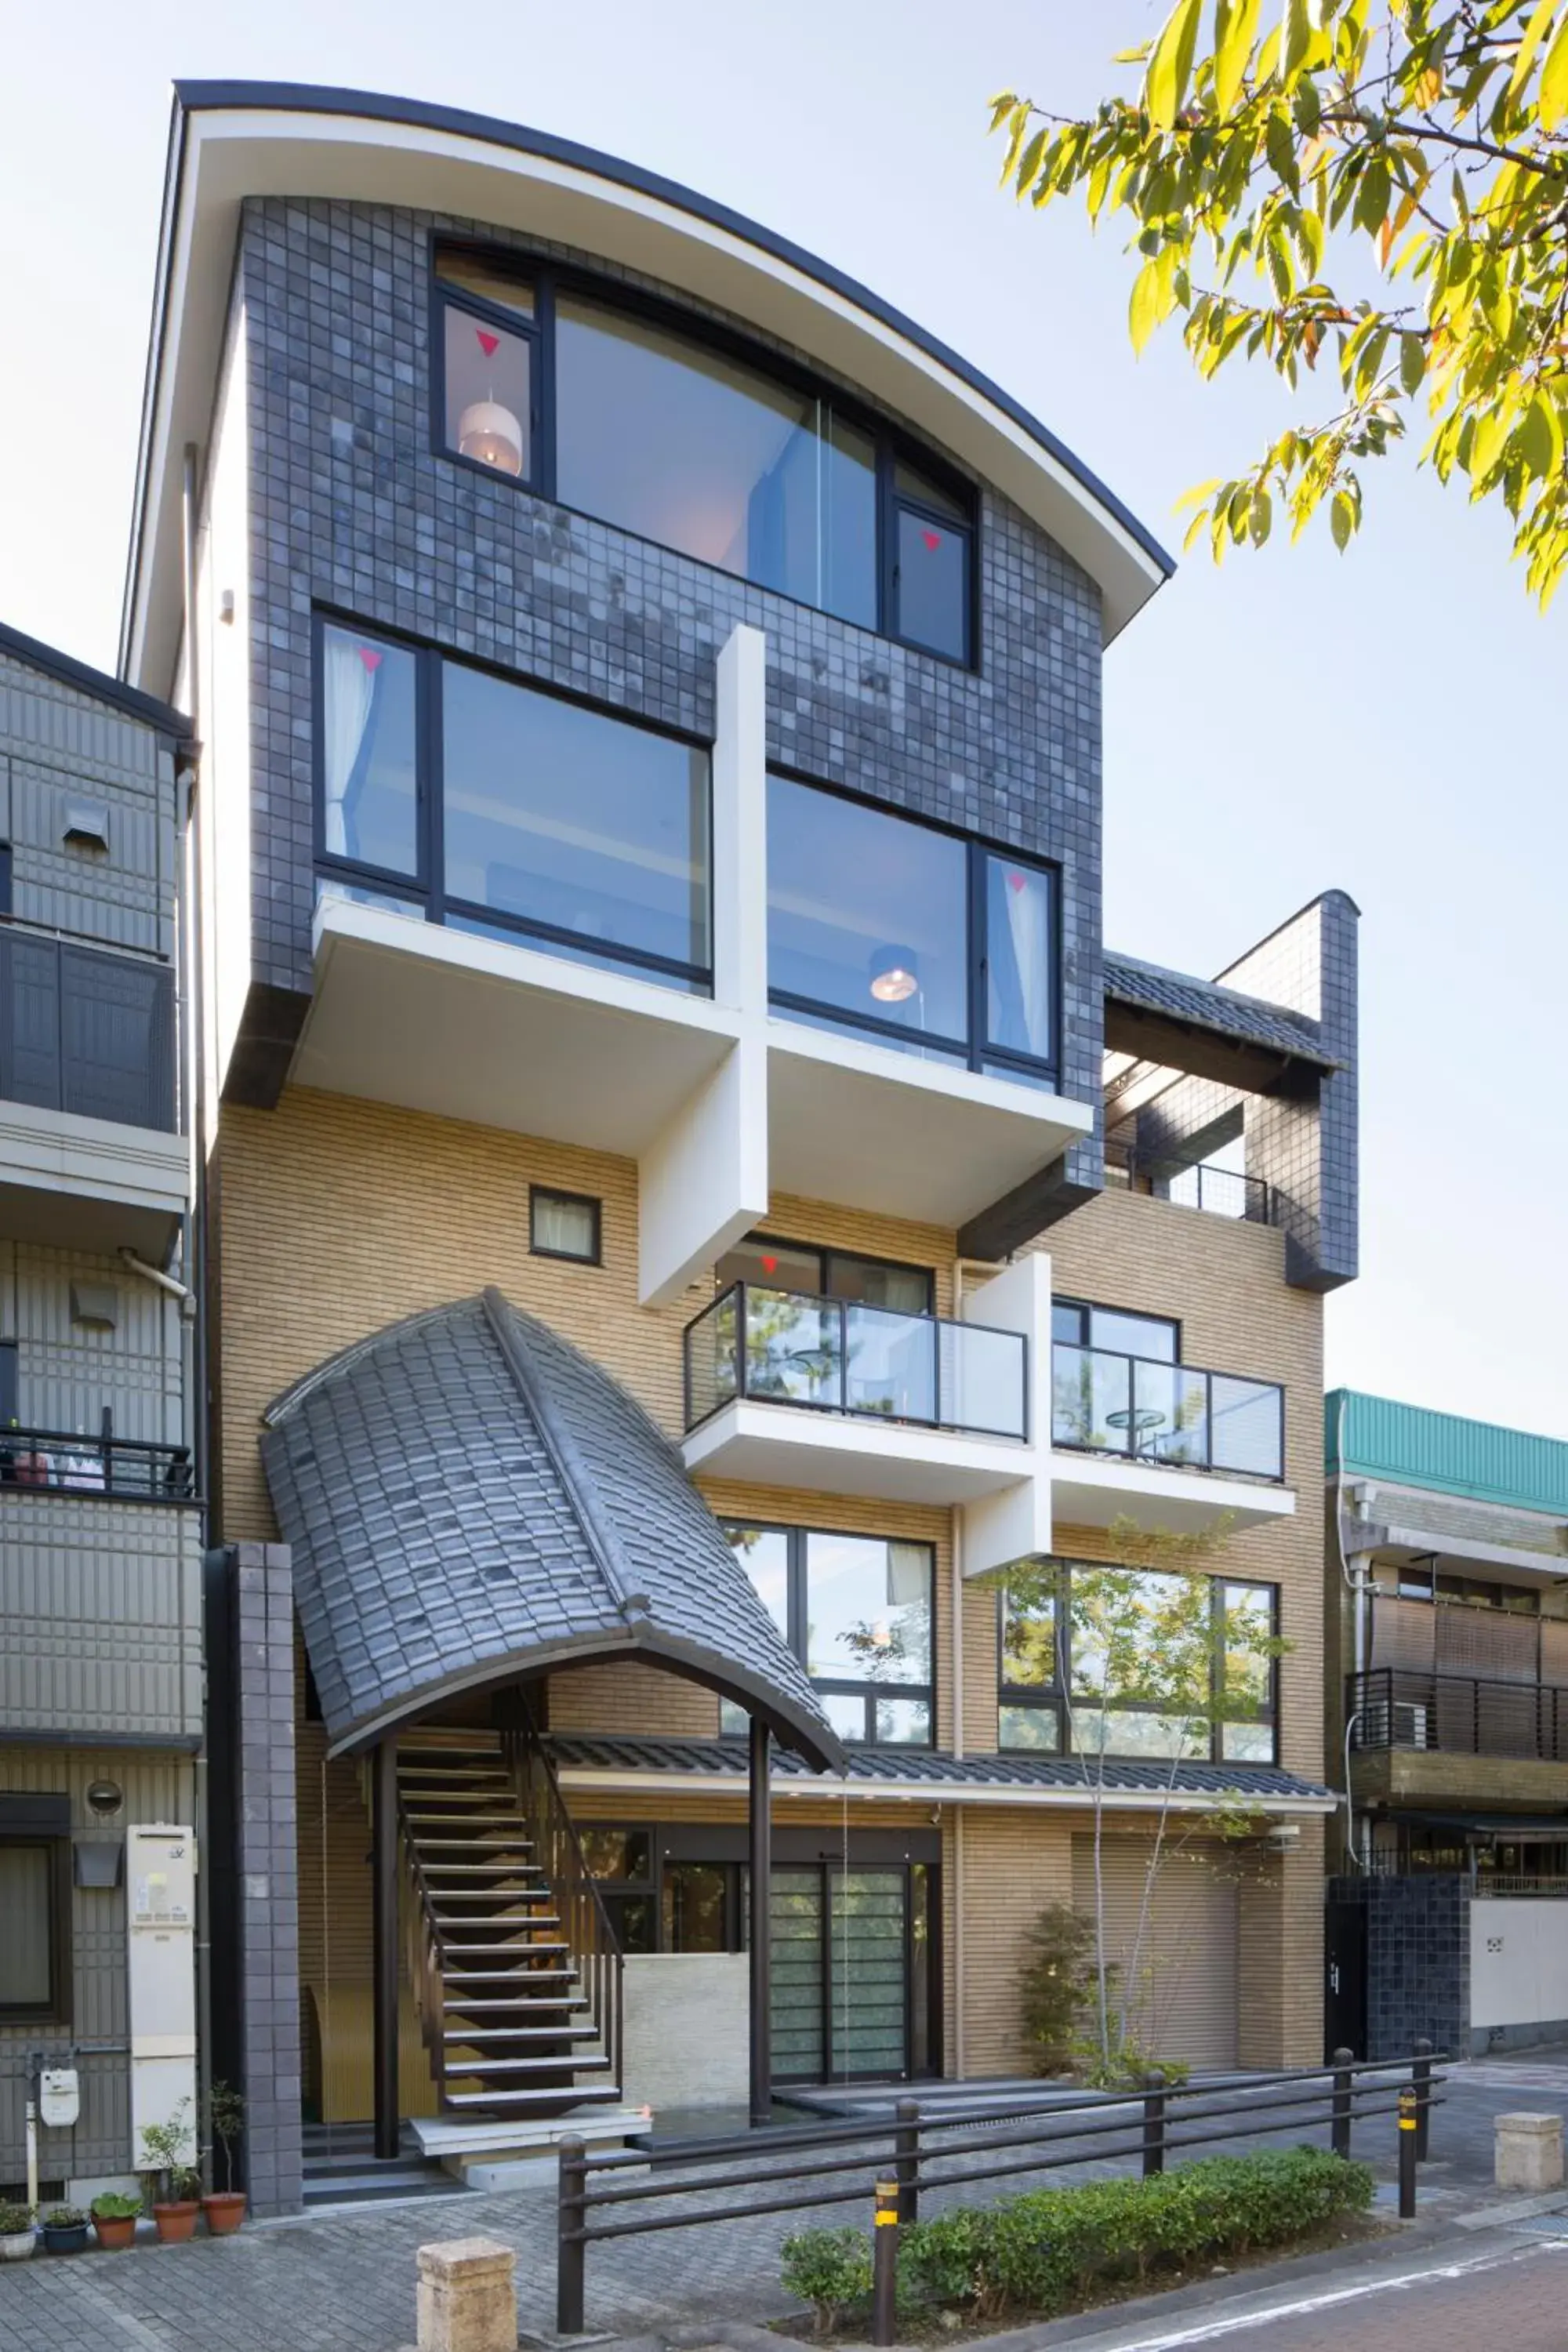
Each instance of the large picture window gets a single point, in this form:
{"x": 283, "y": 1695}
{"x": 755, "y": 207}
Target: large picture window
{"x": 857, "y": 1612}
{"x": 881, "y": 925}
{"x": 1139, "y": 1662}
{"x": 625, "y": 409}
{"x": 497, "y": 807}
{"x": 35, "y": 1910}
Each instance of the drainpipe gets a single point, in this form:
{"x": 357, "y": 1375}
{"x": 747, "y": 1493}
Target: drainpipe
{"x": 961, "y": 1266}
{"x": 195, "y": 1267}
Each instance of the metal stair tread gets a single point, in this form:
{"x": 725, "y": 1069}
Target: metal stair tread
{"x": 470, "y": 2037}
{"x": 562, "y": 2064}
{"x": 600, "y": 2094}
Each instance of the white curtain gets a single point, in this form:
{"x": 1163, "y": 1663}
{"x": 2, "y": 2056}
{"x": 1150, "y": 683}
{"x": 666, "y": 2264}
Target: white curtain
{"x": 350, "y": 699}
{"x": 1028, "y": 922}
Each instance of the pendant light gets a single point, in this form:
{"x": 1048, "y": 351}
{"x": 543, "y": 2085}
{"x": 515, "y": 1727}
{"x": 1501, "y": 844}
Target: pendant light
{"x": 491, "y": 434}
{"x": 895, "y": 974}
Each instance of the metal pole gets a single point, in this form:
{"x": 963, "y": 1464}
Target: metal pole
{"x": 907, "y": 2143}
{"x": 885, "y": 2265}
{"x": 762, "y": 1926}
{"x": 1421, "y": 2084}
{"x": 1408, "y": 2128}
{"x": 570, "y": 2254}
{"x": 1154, "y": 2126}
{"x": 1344, "y": 2061}
{"x": 384, "y": 1866}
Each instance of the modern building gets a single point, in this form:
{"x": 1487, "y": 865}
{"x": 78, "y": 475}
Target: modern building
{"x": 1448, "y": 1582}
{"x": 689, "y": 1203}
{"x": 100, "y": 1533}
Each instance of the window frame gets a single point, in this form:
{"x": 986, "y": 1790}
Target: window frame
{"x": 796, "y": 1588}
{"x": 1056, "y": 1697}
{"x": 975, "y": 1053}
{"x": 553, "y": 1192}
{"x": 824, "y": 1251}
{"x": 548, "y": 277}
{"x": 29, "y": 1825}
{"x": 425, "y": 894}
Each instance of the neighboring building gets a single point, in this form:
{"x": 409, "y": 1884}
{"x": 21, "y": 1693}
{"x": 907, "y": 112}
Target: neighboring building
{"x": 101, "y": 1535}
{"x": 1448, "y": 1662}
{"x": 655, "y": 1029}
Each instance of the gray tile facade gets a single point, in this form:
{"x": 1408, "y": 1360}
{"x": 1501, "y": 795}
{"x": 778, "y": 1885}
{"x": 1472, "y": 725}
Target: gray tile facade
{"x": 351, "y": 507}
{"x": 1417, "y": 1961}
{"x": 267, "y": 1957}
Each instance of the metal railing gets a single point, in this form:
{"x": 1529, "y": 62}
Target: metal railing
{"x": 1192, "y": 1184}
{"x": 836, "y": 1355}
{"x": 592, "y": 1947}
{"x": 1458, "y": 1714}
{"x": 127, "y": 1469}
{"x": 85, "y": 1030}
{"x": 1103, "y": 1401}
{"x": 421, "y": 1951}
{"x": 837, "y": 2163}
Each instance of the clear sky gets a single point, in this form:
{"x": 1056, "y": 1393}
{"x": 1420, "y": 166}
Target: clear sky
{"x": 1391, "y": 721}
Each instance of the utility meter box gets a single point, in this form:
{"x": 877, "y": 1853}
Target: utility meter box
{"x": 59, "y": 2097}
{"x": 161, "y": 1890}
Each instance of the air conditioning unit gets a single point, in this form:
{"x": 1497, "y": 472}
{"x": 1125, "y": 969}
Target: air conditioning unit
{"x": 1409, "y": 1724}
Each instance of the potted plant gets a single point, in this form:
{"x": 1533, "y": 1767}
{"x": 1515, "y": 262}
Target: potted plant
{"x": 225, "y": 2208}
{"x": 164, "y": 2149}
{"x": 115, "y": 2219}
{"x": 16, "y": 2233}
{"x": 64, "y": 2230}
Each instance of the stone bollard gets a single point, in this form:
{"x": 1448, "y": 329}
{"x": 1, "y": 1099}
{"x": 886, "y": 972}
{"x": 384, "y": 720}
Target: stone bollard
{"x": 1529, "y": 2152}
{"x": 466, "y": 2299}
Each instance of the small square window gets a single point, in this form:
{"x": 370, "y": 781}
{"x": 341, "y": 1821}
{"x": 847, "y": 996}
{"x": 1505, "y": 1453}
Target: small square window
{"x": 563, "y": 1224}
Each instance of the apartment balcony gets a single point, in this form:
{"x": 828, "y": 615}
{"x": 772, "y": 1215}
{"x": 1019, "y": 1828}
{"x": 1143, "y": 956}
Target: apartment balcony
{"x": 1166, "y": 1444}
{"x": 787, "y": 1390}
{"x": 89, "y": 1153}
{"x": 1418, "y": 1738}
{"x": 100, "y": 1588}
{"x": 1205, "y": 1184}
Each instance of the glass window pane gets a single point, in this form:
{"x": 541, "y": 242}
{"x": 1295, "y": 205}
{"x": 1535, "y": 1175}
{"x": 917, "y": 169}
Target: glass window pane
{"x": 1136, "y": 1634}
{"x": 905, "y": 1289}
{"x": 1180, "y": 1400}
{"x": 1247, "y": 1743}
{"x": 901, "y": 1722}
{"x": 867, "y": 1610}
{"x": 1020, "y": 952}
{"x": 564, "y": 1227}
{"x": 865, "y": 911}
{"x": 773, "y": 1264}
{"x": 793, "y": 1349}
{"x": 1029, "y": 1727}
{"x": 933, "y": 585}
{"x": 913, "y": 482}
{"x": 1029, "y": 1639}
{"x": 983, "y": 1379}
{"x": 490, "y": 392}
{"x": 694, "y": 1907}
{"x": 481, "y": 274}
{"x": 616, "y": 1854}
{"x": 890, "y": 1364}
{"x": 763, "y": 1553}
{"x": 27, "y": 1919}
{"x": 845, "y": 1711}
{"x": 632, "y": 1917}
{"x": 1068, "y": 1321}
{"x": 707, "y": 455}
{"x": 561, "y": 815}
{"x": 369, "y": 777}
{"x": 1122, "y": 1731}
{"x": 1149, "y": 1335}
{"x": 1247, "y": 1432}
{"x": 1092, "y": 1399}
{"x": 1248, "y": 1670}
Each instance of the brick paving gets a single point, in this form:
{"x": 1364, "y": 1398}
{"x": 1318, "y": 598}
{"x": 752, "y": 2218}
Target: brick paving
{"x": 345, "y": 2282}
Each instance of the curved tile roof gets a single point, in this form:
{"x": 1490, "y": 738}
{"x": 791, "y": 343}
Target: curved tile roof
{"x": 1206, "y": 1003}
{"x": 469, "y": 1499}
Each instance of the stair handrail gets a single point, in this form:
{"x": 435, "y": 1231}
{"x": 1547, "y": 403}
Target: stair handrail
{"x": 423, "y": 1951}
{"x": 593, "y": 1943}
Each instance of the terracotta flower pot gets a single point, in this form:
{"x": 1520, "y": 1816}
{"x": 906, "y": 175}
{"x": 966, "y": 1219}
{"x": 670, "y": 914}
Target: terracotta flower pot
{"x": 224, "y": 2212}
{"x": 176, "y": 2223}
{"x": 115, "y": 2231}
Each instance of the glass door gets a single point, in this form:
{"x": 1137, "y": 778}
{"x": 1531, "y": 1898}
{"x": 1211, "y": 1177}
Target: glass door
{"x": 852, "y": 1965}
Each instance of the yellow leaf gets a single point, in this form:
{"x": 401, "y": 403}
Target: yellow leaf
{"x": 1143, "y": 310}
{"x": 1553, "y": 93}
{"x": 1533, "y": 35}
{"x": 1171, "y": 64}
{"x": 1236, "y": 30}
{"x": 1197, "y": 496}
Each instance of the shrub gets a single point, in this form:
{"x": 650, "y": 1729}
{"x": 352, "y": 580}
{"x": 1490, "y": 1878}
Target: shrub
{"x": 14, "y": 2219}
{"x": 63, "y": 2217}
{"x": 113, "y": 2205}
{"x": 1056, "y": 1985}
{"x": 829, "y": 2269}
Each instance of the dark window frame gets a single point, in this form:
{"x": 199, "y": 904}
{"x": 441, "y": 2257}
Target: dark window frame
{"x": 1054, "y": 1698}
{"x": 796, "y": 1537}
{"x": 823, "y": 1252}
{"x": 426, "y": 892}
{"x": 546, "y": 277}
{"x": 10, "y": 1382}
{"x": 1086, "y": 1306}
{"x": 537, "y": 1192}
{"x": 56, "y": 2010}
{"x": 974, "y": 1052}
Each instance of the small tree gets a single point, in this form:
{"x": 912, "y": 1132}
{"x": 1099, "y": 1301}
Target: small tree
{"x": 227, "y": 2108}
{"x": 165, "y": 2150}
{"x": 1057, "y": 1985}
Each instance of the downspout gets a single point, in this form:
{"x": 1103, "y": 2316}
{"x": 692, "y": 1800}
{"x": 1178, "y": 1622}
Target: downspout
{"x": 955, "y": 1609}
{"x": 1355, "y": 1568}
{"x": 195, "y": 1270}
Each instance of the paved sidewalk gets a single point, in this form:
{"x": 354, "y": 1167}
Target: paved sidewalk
{"x": 345, "y": 2282}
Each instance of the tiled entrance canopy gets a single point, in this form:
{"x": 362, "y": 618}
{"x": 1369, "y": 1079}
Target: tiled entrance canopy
{"x": 469, "y": 1500}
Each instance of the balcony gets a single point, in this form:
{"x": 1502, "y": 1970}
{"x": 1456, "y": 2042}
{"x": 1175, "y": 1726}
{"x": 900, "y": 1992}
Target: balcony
{"x": 1163, "y": 1443}
{"x": 1456, "y": 1740}
{"x": 1204, "y": 1184}
{"x": 89, "y": 1156}
{"x": 54, "y": 1461}
{"x": 786, "y": 1389}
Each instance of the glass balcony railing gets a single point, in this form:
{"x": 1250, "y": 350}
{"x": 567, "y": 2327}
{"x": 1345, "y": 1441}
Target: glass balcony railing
{"x": 835, "y": 1355}
{"x": 1105, "y": 1403}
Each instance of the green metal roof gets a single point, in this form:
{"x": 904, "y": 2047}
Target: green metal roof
{"x": 1413, "y": 1447}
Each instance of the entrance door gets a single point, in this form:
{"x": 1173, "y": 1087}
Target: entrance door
{"x": 852, "y": 1966}
{"x": 1344, "y": 1994}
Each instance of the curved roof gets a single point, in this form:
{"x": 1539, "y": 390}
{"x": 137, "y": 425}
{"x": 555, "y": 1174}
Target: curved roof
{"x": 469, "y": 1499}
{"x": 1209, "y": 1005}
{"x": 233, "y": 139}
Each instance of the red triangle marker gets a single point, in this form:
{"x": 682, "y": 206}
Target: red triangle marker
{"x": 932, "y": 540}
{"x": 370, "y": 658}
{"x": 489, "y": 344}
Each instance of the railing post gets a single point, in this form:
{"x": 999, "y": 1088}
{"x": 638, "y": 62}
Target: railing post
{"x": 570, "y": 2254}
{"x": 1344, "y": 2080}
{"x": 885, "y": 2265}
{"x": 907, "y": 2161}
{"x": 1153, "y": 2125}
{"x": 1408, "y": 2130}
{"x": 1421, "y": 2084}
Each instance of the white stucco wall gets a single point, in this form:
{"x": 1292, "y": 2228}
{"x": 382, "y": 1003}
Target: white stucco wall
{"x": 1519, "y": 1961}
{"x": 687, "y": 2015}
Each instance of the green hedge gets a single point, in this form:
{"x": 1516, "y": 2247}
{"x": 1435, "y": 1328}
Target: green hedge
{"x": 1046, "y": 2250}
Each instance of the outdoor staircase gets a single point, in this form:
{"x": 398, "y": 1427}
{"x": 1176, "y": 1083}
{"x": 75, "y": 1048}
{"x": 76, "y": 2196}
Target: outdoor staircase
{"x": 518, "y": 2019}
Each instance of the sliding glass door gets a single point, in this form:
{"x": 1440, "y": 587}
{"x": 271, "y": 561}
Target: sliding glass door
{"x": 854, "y": 1995}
